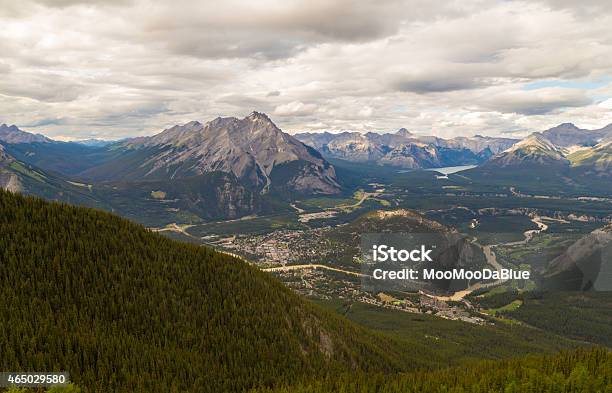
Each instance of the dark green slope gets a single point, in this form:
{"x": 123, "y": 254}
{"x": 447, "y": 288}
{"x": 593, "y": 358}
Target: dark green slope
{"x": 455, "y": 341}
{"x": 583, "y": 316}
{"x": 584, "y": 371}
{"x": 67, "y": 158}
{"x": 19, "y": 176}
{"x": 123, "y": 309}
{"x": 211, "y": 196}
{"x": 131, "y": 164}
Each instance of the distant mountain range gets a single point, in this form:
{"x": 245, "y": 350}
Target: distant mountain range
{"x": 567, "y": 135}
{"x": 533, "y": 150}
{"x": 565, "y": 149}
{"x": 21, "y": 177}
{"x": 540, "y": 166}
{"x": 94, "y": 142}
{"x": 593, "y": 161}
{"x": 231, "y": 167}
{"x": 404, "y": 149}
{"x": 561, "y": 146}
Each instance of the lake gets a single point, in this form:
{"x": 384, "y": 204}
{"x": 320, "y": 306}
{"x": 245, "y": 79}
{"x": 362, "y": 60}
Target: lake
{"x": 448, "y": 170}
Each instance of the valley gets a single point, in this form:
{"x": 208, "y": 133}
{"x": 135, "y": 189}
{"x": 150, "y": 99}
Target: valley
{"x": 301, "y": 235}
{"x": 339, "y": 196}
{"x": 296, "y": 217}
{"x": 312, "y": 258}
{"x": 167, "y": 288}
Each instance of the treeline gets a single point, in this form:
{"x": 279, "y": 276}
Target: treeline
{"x": 580, "y": 371}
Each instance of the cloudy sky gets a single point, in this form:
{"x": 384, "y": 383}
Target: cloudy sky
{"x": 114, "y": 68}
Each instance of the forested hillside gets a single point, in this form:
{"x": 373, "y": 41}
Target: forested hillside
{"x": 584, "y": 316}
{"x": 584, "y": 371}
{"x": 124, "y": 309}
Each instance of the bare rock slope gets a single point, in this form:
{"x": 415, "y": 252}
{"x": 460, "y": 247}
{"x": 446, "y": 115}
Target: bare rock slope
{"x": 253, "y": 149}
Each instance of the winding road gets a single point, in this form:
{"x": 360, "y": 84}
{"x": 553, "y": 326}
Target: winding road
{"x": 312, "y": 266}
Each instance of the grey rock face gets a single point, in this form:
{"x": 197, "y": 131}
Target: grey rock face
{"x": 5, "y": 158}
{"x": 3, "y": 154}
{"x": 250, "y": 148}
{"x": 405, "y": 149}
{"x": 12, "y": 134}
{"x": 8, "y": 179}
{"x": 567, "y": 134}
{"x": 412, "y": 155}
{"x": 478, "y": 144}
{"x": 585, "y": 265}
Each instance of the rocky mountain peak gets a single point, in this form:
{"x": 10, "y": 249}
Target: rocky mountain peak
{"x": 567, "y": 134}
{"x": 12, "y": 134}
{"x": 253, "y": 149}
{"x": 534, "y": 151}
{"x": 194, "y": 124}
{"x": 403, "y": 132}
{"x": 535, "y": 140}
{"x": 567, "y": 126}
{"x": 258, "y": 116}
{"x": 404, "y": 149}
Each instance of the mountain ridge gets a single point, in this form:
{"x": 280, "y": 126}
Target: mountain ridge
{"x": 252, "y": 148}
{"x": 12, "y": 134}
{"x": 404, "y": 149}
{"x": 596, "y": 160}
{"x": 536, "y": 149}
{"x": 231, "y": 167}
{"x": 567, "y": 134}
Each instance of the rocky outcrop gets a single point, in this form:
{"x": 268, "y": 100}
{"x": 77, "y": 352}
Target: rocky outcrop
{"x": 585, "y": 265}
{"x": 8, "y": 179}
{"x": 12, "y": 134}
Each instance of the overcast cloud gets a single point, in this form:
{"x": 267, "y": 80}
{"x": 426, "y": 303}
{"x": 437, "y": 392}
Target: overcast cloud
{"x": 109, "y": 69}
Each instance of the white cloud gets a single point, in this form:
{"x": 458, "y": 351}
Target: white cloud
{"x": 81, "y": 68}
{"x": 534, "y": 102}
{"x": 607, "y": 104}
{"x": 295, "y": 108}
